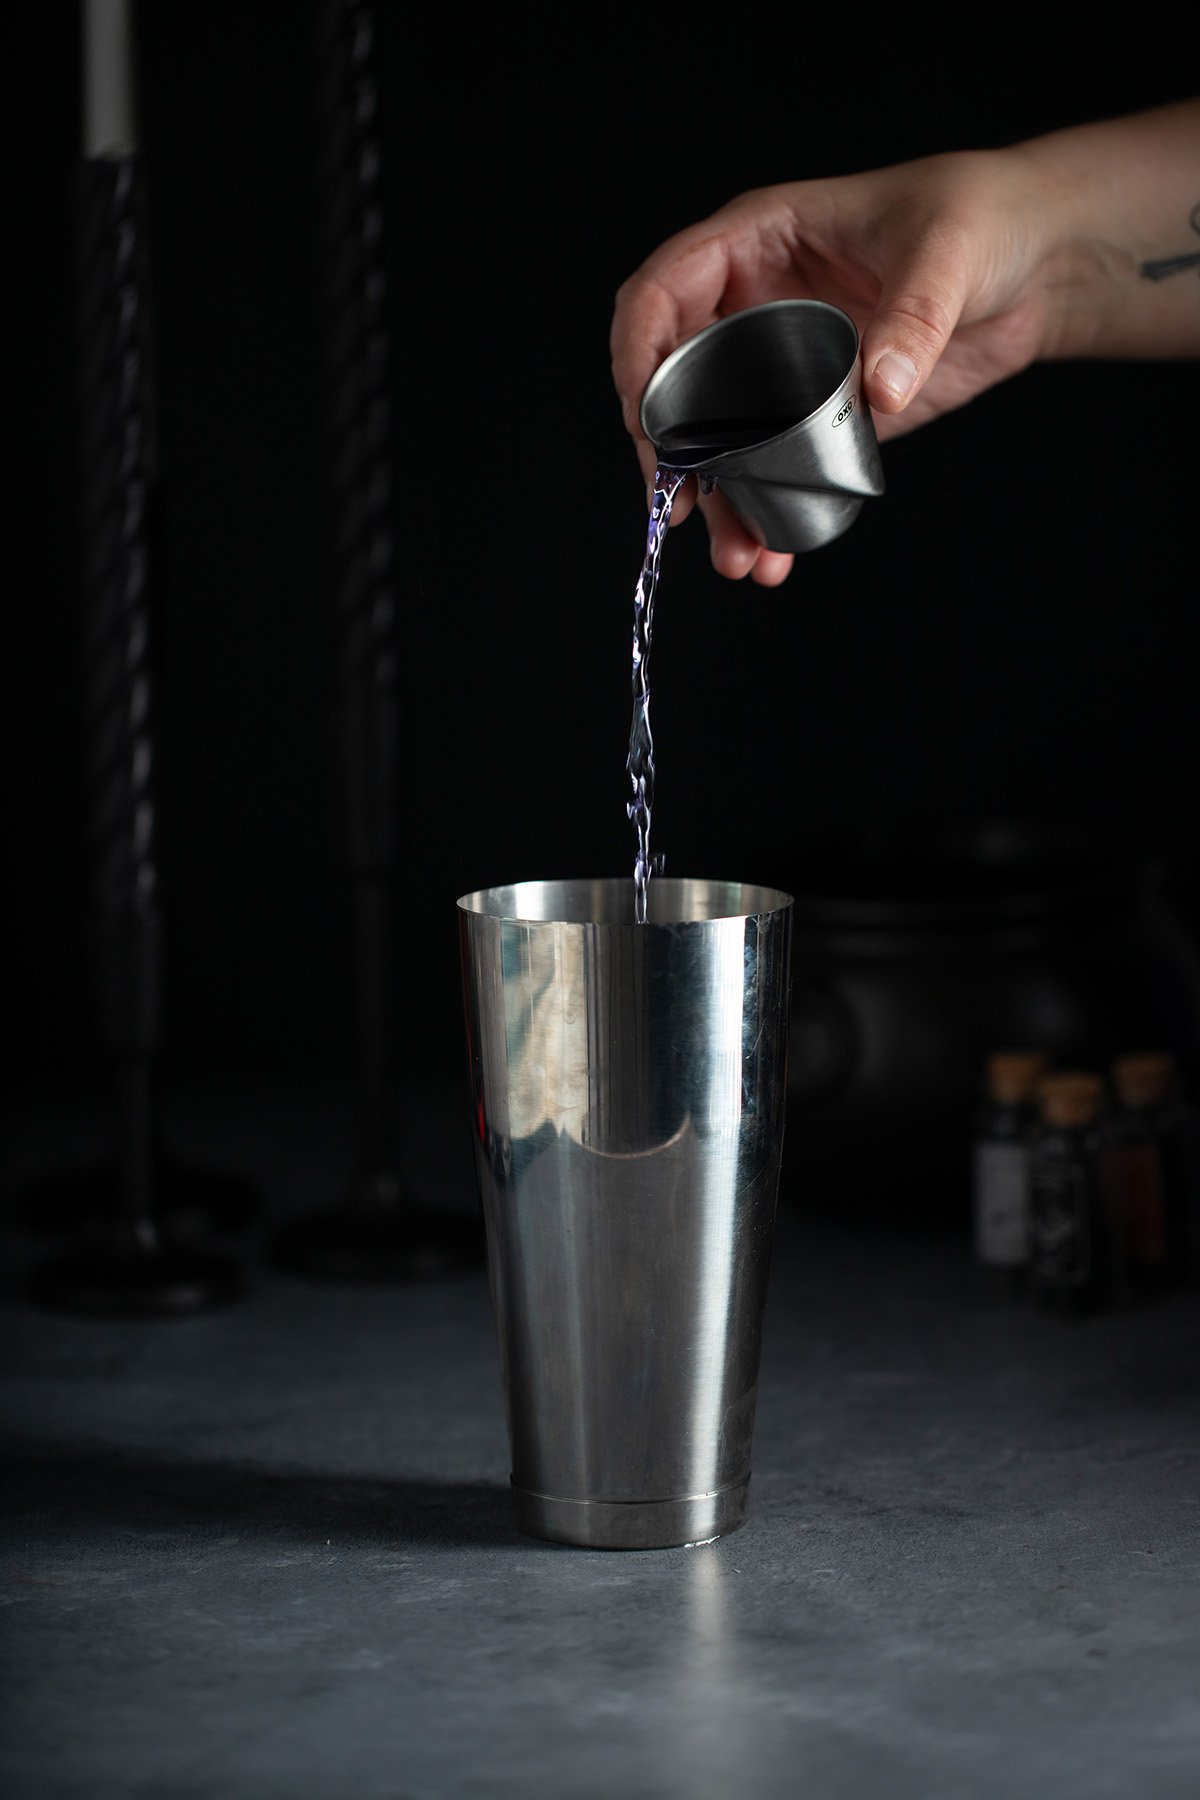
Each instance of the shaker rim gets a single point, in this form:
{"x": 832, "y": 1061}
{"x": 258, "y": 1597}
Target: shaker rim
{"x": 608, "y": 901}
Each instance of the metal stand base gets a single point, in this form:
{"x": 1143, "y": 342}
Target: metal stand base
{"x": 127, "y": 1279}
{"x": 632, "y": 1524}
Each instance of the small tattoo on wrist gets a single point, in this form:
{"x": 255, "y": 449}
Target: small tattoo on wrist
{"x": 1172, "y": 265}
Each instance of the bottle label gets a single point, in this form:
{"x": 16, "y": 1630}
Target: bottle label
{"x": 1002, "y": 1205}
{"x": 1062, "y": 1250}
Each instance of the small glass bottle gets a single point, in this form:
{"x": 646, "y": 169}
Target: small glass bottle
{"x": 1135, "y": 1172}
{"x": 1073, "y": 1248}
{"x": 1152, "y": 1168}
{"x": 1000, "y": 1167}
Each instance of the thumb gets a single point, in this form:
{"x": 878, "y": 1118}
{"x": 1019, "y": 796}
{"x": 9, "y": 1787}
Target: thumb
{"x": 919, "y": 307}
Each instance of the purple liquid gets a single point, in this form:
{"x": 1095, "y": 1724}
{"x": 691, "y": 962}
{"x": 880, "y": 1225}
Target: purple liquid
{"x": 640, "y": 761}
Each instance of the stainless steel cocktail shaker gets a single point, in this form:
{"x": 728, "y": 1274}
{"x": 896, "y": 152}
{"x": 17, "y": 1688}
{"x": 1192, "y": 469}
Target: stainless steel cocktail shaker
{"x": 628, "y": 1085}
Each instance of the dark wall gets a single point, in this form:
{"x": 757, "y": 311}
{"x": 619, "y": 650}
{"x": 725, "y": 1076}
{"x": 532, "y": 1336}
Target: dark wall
{"x": 1012, "y": 630}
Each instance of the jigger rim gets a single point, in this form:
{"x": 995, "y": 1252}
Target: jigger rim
{"x": 730, "y": 324}
{"x": 674, "y": 901}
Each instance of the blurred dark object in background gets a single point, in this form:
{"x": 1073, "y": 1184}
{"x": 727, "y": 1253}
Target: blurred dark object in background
{"x": 1009, "y": 632}
{"x": 374, "y": 1230}
{"x": 917, "y": 954}
{"x": 130, "y": 1262}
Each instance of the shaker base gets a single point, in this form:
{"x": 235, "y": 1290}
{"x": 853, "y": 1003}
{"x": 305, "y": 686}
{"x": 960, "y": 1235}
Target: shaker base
{"x": 632, "y": 1524}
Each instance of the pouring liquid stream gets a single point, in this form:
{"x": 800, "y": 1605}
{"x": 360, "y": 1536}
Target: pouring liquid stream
{"x": 640, "y": 761}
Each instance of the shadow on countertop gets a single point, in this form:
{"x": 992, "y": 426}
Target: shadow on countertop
{"x": 93, "y": 1490}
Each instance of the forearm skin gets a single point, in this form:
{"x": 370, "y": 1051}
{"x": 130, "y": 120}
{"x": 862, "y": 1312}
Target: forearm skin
{"x": 1121, "y": 263}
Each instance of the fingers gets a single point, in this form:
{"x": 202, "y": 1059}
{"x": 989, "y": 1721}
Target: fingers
{"x": 771, "y": 569}
{"x": 735, "y": 554}
{"x": 920, "y": 304}
{"x": 677, "y": 291}
{"x": 684, "y": 500}
{"x": 674, "y": 294}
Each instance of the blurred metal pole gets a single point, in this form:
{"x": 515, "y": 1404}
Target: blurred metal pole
{"x": 379, "y": 1231}
{"x": 133, "y": 1266}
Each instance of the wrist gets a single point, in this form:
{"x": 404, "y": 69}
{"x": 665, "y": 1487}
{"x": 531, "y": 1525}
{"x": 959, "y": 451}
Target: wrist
{"x": 1112, "y": 200}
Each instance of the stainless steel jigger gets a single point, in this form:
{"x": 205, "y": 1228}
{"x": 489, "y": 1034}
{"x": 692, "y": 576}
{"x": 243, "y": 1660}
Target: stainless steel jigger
{"x": 628, "y": 1086}
{"x": 767, "y": 405}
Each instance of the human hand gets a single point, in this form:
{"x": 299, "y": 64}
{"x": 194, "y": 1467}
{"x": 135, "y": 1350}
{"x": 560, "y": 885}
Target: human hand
{"x": 941, "y": 263}
{"x": 958, "y": 270}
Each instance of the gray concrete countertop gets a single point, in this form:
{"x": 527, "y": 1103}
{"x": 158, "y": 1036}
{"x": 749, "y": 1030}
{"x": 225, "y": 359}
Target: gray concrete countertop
{"x": 267, "y": 1551}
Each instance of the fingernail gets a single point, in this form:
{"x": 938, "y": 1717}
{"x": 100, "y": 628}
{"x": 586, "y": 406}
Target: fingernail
{"x": 897, "y": 372}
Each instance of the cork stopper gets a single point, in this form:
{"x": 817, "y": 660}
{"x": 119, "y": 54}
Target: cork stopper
{"x": 1012, "y": 1075}
{"x": 1071, "y": 1098}
{"x": 1143, "y": 1080}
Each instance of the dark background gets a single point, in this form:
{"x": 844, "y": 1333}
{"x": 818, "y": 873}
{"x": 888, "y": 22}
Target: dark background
{"x": 1011, "y": 632}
